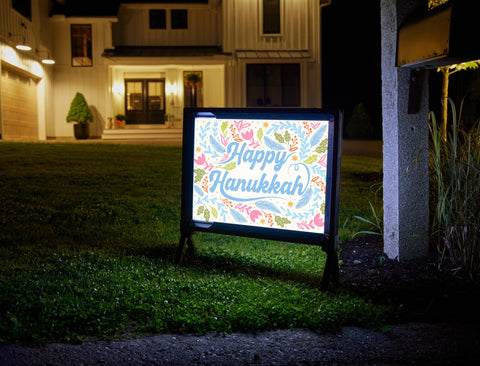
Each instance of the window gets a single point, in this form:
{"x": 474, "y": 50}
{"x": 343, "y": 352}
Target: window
{"x": 24, "y": 7}
{"x": 158, "y": 19}
{"x": 81, "y": 44}
{"x": 273, "y": 85}
{"x": 179, "y": 18}
{"x": 271, "y": 16}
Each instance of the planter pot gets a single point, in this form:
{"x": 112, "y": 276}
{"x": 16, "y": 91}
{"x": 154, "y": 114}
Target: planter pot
{"x": 81, "y": 131}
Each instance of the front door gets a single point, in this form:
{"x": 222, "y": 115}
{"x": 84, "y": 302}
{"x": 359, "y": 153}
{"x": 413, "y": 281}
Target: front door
{"x": 145, "y": 101}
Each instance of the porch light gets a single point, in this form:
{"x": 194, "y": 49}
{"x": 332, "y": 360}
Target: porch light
{"x": 46, "y": 60}
{"x": 20, "y": 45}
{"x": 118, "y": 88}
{"x": 23, "y": 47}
{"x": 171, "y": 89}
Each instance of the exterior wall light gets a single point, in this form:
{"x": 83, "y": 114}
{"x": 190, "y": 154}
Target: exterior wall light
{"x": 46, "y": 60}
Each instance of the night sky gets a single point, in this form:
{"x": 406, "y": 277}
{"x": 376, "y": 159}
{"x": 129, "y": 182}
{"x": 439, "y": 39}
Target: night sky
{"x": 351, "y": 57}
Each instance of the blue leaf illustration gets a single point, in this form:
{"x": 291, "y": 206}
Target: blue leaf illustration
{"x": 216, "y": 145}
{"x": 238, "y": 217}
{"x": 317, "y": 136}
{"x": 267, "y": 205}
{"x": 305, "y": 198}
{"x": 274, "y": 145}
{"x": 198, "y": 190}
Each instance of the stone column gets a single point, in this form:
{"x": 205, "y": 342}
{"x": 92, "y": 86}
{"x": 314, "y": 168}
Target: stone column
{"x": 405, "y": 136}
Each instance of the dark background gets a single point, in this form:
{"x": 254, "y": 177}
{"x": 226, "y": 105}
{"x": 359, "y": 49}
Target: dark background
{"x": 351, "y": 58}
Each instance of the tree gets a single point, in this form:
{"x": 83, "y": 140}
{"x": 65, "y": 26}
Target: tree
{"x": 446, "y": 72}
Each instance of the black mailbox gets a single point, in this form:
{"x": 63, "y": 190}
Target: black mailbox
{"x": 446, "y": 35}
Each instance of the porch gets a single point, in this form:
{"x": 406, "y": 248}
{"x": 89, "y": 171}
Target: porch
{"x": 145, "y": 133}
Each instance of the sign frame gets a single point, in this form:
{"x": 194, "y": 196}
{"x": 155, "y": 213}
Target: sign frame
{"x": 328, "y": 239}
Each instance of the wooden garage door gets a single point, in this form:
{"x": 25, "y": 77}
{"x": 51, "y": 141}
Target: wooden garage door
{"x": 19, "y": 105}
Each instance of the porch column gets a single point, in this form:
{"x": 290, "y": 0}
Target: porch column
{"x": 405, "y": 184}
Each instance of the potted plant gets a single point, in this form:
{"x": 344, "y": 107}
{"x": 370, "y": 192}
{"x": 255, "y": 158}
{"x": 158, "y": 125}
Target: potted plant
{"x": 120, "y": 120}
{"x": 81, "y": 115}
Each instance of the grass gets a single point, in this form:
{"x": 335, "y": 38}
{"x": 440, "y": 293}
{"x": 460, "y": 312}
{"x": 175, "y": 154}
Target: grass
{"x": 88, "y": 234}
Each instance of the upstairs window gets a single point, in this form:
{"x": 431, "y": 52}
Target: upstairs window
{"x": 271, "y": 17}
{"x": 24, "y": 7}
{"x": 179, "y": 18}
{"x": 81, "y": 45}
{"x": 158, "y": 19}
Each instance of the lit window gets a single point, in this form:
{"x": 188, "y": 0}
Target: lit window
{"x": 81, "y": 45}
{"x": 158, "y": 19}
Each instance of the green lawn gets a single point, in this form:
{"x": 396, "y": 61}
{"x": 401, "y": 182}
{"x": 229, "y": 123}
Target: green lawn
{"x": 87, "y": 243}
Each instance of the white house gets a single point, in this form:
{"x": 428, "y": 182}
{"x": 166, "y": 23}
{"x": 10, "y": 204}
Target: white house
{"x": 148, "y": 60}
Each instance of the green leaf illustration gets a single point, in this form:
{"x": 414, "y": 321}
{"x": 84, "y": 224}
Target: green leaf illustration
{"x": 279, "y": 138}
{"x": 322, "y": 208}
{"x": 206, "y": 214}
{"x": 287, "y": 136}
{"x": 224, "y": 127}
{"x": 200, "y": 210}
{"x": 281, "y": 221}
{"x": 229, "y": 166}
{"x": 199, "y": 173}
{"x": 311, "y": 159}
{"x": 322, "y": 146}
{"x": 214, "y": 212}
{"x": 260, "y": 134}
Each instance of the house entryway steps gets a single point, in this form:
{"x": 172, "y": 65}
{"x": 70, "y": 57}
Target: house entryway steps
{"x": 157, "y": 134}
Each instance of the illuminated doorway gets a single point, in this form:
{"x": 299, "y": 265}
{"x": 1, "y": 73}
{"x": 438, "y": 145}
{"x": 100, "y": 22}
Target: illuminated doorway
{"x": 145, "y": 101}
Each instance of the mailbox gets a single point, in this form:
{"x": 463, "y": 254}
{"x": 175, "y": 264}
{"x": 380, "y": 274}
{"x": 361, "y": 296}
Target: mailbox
{"x": 443, "y": 36}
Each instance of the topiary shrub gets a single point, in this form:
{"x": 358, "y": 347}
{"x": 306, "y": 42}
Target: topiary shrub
{"x": 79, "y": 110}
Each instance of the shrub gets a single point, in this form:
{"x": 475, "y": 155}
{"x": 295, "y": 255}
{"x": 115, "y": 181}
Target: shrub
{"x": 79, "y": 110}
{"x": 455, "y": 184}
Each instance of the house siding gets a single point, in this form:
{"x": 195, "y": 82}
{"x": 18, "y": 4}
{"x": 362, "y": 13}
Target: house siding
{"x": 36, "y": 31}
{"x": 233, "y": 26}
{"x": 133, "y": 27}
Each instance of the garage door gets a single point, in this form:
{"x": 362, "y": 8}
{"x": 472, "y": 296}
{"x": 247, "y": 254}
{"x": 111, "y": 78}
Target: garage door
{"x": 18, "y": 105}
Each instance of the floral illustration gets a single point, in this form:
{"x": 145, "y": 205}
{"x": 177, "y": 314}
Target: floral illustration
{"x": 270, "y": 173}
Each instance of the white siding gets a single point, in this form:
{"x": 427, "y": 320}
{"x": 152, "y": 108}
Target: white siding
{"x": 242, "y": 26}
{"x": 92, "y": 81}
{"x": 133, "y": 28}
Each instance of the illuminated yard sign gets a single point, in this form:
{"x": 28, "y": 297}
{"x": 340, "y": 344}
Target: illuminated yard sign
{"x": 267, "y": 173}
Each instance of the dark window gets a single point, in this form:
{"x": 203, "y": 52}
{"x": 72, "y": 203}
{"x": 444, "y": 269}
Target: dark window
{"x": 271, "y": 16}
{"x": 179, "y": 19}
{"x": 273, "y": 85}
{"x": 158, "y": 19}
{"x": 81, "y": 44}
{"x": 24, "y": 7}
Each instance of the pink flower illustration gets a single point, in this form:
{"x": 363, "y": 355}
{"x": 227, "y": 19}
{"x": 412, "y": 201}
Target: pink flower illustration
{"x": 224, "y": 140}
{"x": 247, "y": 135}
{"x": 200, "y": 160}
{"x": 322, "y": 161}
{"x": 254, "y": 215}
{"x": 318, "y": 220}
{"x": 240, "y": 125}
